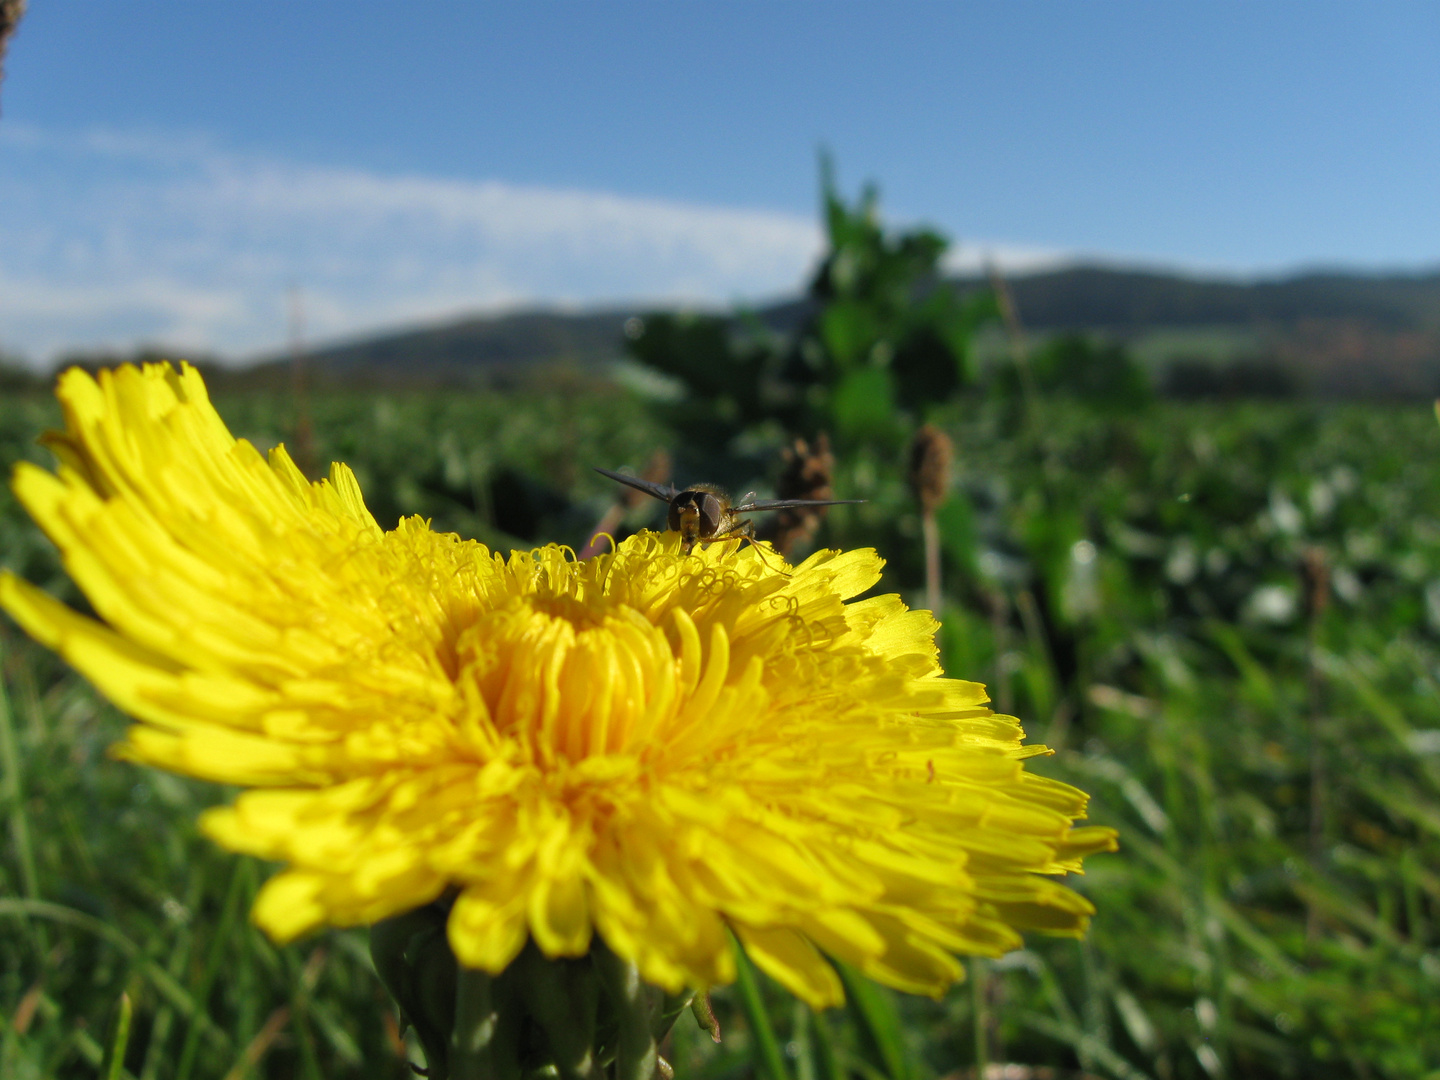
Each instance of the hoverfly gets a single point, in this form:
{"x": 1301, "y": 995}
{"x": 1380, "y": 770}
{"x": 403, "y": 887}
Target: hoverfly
{"x": 702, "y": 512}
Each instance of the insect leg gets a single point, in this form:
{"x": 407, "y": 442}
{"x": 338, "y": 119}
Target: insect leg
{"x": 745, "y": 530}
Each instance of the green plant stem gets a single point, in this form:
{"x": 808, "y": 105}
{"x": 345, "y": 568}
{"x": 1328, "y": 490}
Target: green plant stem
{"x": 477, "y": 1027}
{"x": 827, "y": 1060}
{"x": 1000, "y": 629}
{"x": 930, "y": 530}
{"x": 978, "y": 980}
{"x": 636, "y": 1054}
{"x": 768, "y": 1061}
{"x": 12, "y": 797}
{"x": 213, "y": 957}
{"x": 548, "y": 991}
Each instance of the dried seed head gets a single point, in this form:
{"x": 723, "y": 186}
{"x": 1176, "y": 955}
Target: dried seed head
{"x": 808, "y": 474}
{"x": 930, "y": 455}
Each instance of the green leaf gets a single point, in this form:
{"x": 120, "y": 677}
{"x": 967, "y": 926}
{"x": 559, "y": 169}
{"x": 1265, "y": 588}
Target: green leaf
{"x": 863, "y": 405}
{"x": 882, "y": 1035}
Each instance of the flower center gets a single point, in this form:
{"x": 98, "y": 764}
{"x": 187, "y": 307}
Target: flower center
{"x": 567, "y": 680}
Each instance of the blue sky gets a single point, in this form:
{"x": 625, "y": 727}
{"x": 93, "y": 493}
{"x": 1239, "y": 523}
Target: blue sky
{"x": 168, "y": 170}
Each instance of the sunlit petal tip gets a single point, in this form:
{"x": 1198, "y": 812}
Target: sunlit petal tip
{"x": 289, "y": 906}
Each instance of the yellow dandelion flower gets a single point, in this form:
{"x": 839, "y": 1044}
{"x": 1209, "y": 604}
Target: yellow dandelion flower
{"x": 649, "y": 746}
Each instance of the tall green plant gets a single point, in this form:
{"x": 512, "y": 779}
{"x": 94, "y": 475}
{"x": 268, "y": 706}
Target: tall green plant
{"x": 880, "y": 338}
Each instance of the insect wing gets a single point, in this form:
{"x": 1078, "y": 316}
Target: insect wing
{"x": 785, "y": 504}
{"x": 663, "y": 492}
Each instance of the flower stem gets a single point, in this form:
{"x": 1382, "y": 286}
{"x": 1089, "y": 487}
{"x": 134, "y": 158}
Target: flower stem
{"x": 549, "y": 991}
{"x": 930, "y": 529}
{"x": 978, "y": 987}
{"x": 484, "y": 1047}
{"x": 636, "y": 1056}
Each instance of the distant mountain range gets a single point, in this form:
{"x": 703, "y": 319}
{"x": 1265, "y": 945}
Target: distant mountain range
{"x": 1335, "y": 333}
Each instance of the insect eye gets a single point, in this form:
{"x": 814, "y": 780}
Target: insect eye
{"x": 710, "y": 513}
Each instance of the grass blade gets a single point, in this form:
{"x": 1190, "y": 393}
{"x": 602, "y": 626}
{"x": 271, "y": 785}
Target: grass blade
{"x": 1083, "y": 1044}
{"x": 117, "y": 1050}
{"x": 827, "y": 1054}
{"x": 878, "y": 1021}
{"x": 212, "y": 968}
{"x": 12, "y": 797}
{"x": 122, "y": 1039}
{"x": 768, "y": 1060}
{"x": 162, "y": 980}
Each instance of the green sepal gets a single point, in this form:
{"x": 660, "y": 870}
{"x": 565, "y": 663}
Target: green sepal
{"x": 413, "y": 959}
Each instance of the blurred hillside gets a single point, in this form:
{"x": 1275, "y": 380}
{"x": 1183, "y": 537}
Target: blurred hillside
{"x": 1323, "y": 334}
{"x": 1327, "y": 334}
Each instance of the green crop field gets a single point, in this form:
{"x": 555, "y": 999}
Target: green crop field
{"x": 1225, "y": 620}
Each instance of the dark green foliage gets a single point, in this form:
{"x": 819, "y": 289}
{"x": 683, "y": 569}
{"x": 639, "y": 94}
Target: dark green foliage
{"x": 730, "y": 378}
{"x": 1259, "y": 377}
{"x": 1226, "y": 620}
{"x": 1101, "y": 374}
{"x": 880, "y": 340}
{"x": 882, "y": 305}
{"x": 1133, "y": 586}
{"x": 17, "y": 378}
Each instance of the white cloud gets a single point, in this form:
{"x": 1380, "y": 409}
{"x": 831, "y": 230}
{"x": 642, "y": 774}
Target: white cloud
{"x": 977, "y": 258}
{"x": 110, "y": 239}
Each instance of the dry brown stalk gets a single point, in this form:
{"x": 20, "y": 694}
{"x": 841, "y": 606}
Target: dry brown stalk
{"x": 809, "y": 473}
{"x": 931, "y": 453}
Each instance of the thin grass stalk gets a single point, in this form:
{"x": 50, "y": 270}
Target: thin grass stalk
{"x": 766, "y": 1049}
{"x": 930, "y": 529}
{"x": 1014, "y": 337}
{"x": 980, "y": 1018}
{"x": 827, "y": 1058}
{"x": 260, "y": 1045}
{"x": 303, "y": 451}
{"x": 168, "y": 988}
{"x": 931, "y": 453}
{"x": 12, "y": 797}
{"x": 878, "y": 1021}
{"x": 1317, "y": 578}
{"x": 247, "y": 982}
{"x": 155, "y": 1056}
{"x": 122, "y": 1039}
{"x": 1000, "y": 632}
{"x": 303, "y": 989}
{"x": 1094, "y": 1008}
{"x": 801, "y": 1041}
{"x": 213, "y": 958}
{"x": 155, "y": 1051}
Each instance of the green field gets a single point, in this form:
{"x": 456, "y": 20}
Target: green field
{"x": 1226, "y": 620}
